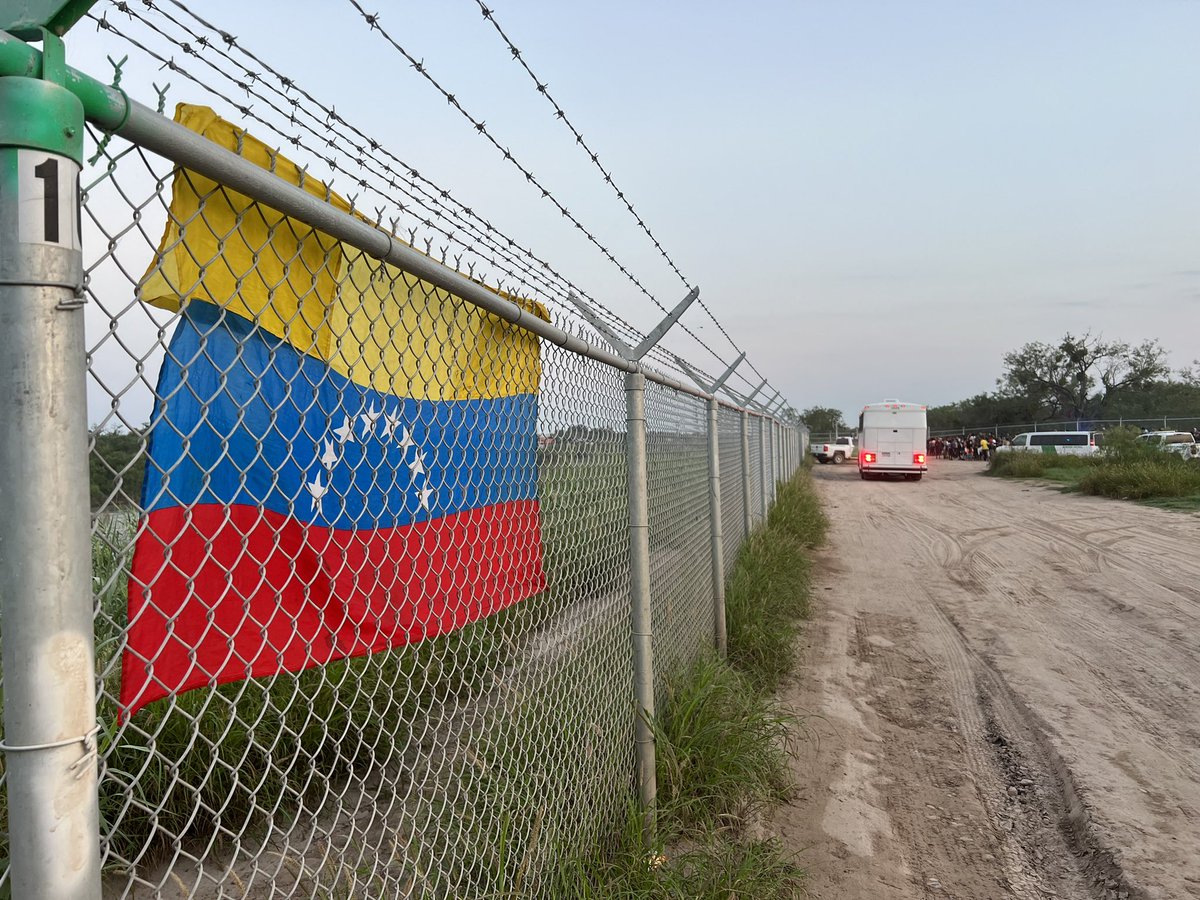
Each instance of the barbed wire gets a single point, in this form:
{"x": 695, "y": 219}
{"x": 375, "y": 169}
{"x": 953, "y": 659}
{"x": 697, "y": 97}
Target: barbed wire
{"x": 428, "y": 199}
{"x": 423, "y": 198}
{"x": 559, "y": 113}
{"x": 544, "y": 89}
{"x": 480, "y": 126}
{"x": 499, "y": 250}
{"x": 513, "y": 252}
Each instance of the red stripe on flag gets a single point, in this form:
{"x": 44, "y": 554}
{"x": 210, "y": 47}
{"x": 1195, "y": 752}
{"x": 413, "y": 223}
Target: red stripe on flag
{"x": 220, "y": 594}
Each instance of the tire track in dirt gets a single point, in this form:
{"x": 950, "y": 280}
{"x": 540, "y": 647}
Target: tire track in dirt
{"x": 1022, "y": 668}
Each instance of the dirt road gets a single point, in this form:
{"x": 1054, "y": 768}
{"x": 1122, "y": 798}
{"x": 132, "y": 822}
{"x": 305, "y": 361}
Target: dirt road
{"x": 1004, "y": 684}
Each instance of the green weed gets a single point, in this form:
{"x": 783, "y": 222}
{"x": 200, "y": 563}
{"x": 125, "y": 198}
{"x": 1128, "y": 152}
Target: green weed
{"x": 1164, "y": 476}
{"x": 1126, "y": 469}
{"x": 708, "y": 869}
{"x": 723, "y": 749}
{"x": 1036, "y": 465}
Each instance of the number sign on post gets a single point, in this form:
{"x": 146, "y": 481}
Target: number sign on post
{"x": 48, "y": 195}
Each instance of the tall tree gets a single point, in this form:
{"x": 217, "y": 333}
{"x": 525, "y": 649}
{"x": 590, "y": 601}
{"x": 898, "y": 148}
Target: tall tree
{"x": 1080, "y": 376}
{"x": 824, "y": 420}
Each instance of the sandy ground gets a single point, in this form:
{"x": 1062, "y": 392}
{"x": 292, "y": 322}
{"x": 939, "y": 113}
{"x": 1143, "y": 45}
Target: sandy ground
{"x": 1003, "y": 685}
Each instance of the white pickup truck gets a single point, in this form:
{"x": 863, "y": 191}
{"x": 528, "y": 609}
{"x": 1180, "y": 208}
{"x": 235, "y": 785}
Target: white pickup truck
{"x": 836, "y": 451}
{"x": 1182, "y": 443}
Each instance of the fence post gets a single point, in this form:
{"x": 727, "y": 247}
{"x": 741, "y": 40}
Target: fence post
{"x": 641, "y": 622}
{"x": 45, "y": 544}
{"x": 776, "y": 461}
{"x": 762, "y": 466}
{"x": 770, "y": 426}
{"x": 746, "y": 515}
{"x": 716, "y": 531}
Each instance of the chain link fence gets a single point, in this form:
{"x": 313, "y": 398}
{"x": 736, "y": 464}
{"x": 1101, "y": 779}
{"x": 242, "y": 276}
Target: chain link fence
{"x": 363, "y": 552}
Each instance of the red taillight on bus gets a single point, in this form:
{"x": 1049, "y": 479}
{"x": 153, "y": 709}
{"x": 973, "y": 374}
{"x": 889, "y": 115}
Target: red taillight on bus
{"x": 919, "y": 459}
{"x": 868, "y": 457}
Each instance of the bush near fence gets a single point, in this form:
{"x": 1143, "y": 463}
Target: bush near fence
{"x": 1125, "y": 469}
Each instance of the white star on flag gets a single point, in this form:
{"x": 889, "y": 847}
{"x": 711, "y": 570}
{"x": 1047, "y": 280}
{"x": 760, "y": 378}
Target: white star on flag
{"x": 346, "y": 432}
{"x": 424, "y": 495}
{"x": 390, "y": 423}
{"x": 406, "y": 440}
{"x": 368, "y": 419}
{"x": 318, "y": 491}
{"x": 417, "y": 466}
{"x": 329, "y": 458}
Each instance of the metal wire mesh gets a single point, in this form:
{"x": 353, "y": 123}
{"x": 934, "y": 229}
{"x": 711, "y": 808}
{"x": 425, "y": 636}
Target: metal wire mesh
{"x": 680, "y": 574}
{"x": 390, "y": 774}
{"x": 461, "y": 748}
{"x": 757, "y": 471}
{"x": 733, "y": 525}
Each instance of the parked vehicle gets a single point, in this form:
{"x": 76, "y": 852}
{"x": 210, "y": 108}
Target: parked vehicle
{"x": 841, "y": 449}
{"x": 892, "y": 439}
{"x": 1067, "y": 443}
{"x": 1180, "y": 442}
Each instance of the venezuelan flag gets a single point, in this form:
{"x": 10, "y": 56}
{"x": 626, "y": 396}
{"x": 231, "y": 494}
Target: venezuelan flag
{"x": 341, "y": 459}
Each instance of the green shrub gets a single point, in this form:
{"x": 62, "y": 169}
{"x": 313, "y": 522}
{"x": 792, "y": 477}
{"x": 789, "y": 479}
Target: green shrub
{"x": 706, "y": 869}
{"x": 723, "y": 748}
{"x": 1035, "y": 465}
{"x": 1163, "y": 475}
{"x": 1125, "y": 469}
{"x": 767, "y": 593}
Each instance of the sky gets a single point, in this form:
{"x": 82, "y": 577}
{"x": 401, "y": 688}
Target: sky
{"x": 876, "y": 199}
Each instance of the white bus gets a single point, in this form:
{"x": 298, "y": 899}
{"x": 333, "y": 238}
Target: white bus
{"x": 892, "y": 439}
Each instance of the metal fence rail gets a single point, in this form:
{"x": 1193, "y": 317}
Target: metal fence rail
{"x": 373, "y": 608}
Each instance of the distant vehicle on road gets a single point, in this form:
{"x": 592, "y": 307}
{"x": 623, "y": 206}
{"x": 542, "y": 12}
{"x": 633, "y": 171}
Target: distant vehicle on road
{"x": 893, "y": 437}
{"x": 836, "y": 452}
{"x": 1066, "y": 443}
{"x": 1180, "y": 442}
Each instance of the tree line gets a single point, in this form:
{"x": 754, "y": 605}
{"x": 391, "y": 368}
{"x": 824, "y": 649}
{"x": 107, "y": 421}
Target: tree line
{"x": 116, "y": 467}
{"x": 1079, "y": 377}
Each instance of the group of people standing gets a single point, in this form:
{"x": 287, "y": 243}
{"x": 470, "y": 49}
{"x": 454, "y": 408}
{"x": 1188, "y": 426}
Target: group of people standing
{"x": 971, "y": 446}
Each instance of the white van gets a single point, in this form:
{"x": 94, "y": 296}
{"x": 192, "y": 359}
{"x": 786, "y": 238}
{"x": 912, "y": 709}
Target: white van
{"x": 892, "y": 439}
{"x": 1067, "y": 443}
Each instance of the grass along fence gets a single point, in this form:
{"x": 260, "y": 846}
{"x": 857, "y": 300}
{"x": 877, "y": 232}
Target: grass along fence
{"x": 724, "y": 740}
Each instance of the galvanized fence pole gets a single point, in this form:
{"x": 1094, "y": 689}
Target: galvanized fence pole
{"x": 45, "y": 544}
{"x": 769, "y": 424}
{"x": 747, "y": 516}
{"x": 637, "y": 474}
{"x": 762, "y": 466}
{"x": 776, "y": 465}
{"x": 716, "y": 532}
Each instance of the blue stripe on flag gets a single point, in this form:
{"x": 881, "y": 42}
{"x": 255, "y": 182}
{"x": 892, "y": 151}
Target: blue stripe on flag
{"x": 243, "y": 418}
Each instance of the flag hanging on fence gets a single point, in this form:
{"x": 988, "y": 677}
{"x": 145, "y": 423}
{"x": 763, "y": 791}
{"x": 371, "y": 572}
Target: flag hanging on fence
{"x": 341, "y": 458}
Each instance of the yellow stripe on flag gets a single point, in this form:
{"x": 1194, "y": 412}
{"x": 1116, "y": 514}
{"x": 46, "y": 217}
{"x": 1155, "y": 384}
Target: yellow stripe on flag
{"x": 379, "y": 327}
